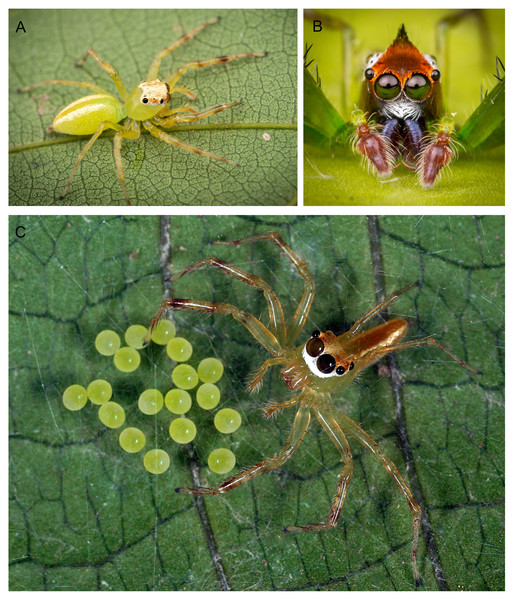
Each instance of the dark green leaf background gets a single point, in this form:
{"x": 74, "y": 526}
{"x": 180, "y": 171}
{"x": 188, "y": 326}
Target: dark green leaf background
{"x": 155, "y": 172}
{"x": 84, "y": 515}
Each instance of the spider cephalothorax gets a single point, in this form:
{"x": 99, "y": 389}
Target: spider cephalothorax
{"x": 154, "y": 92}
{"x": 316, "y": 363}
{"x": 402, "y": 83}
{"x": 324, "y": 363}
{"x": 325, "y": 357}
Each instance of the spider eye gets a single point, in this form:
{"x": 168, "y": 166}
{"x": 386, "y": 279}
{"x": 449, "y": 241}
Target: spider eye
{"x": 417, "y": 86}
{"x": 387, "y": 86}
{"x": 436, "y": 75}
{"x": 314, "y": 346}
{"x": 162, "y": 100}
{"x": 369, "y": 74}
{"x": 340, "y": 370}
{"x": 316, "y": 333}
{"x": 351, "y": 366}
{"x": 326, "y": 363}
{"x": 144, "y": 100}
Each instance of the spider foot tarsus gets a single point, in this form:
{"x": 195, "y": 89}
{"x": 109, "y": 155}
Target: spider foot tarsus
{"x": 197, "y": 491}
{"x": 273, "y": 408}
{"x": 312, "y": 527}
{"x": 417, "y": 576}
{"x": 255, "y": 383}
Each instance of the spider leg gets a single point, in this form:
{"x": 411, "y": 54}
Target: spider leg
{"x": 101, "y": 128}
{"x": 165, "y": 137}
{"x": 276, "y": 315}
{"x": 190, "y": 118}
{"x": 256, "y": 380}
{"x": 120, "y": 86}
{"x": 300, "y": 425}
{"x": 367, "y": 441}
{"x": 430, "y": 341}
{"x": 295, "y": 327}
{"x": 208, "y": 62}
{"x": 338, "y": 438}
{"x": 118, "y": 137}
{"x": 272, "y": 409}
{"x": 161, "y": 118}
{"x": 153, "y": 71}
{"x": 186, "y": 92}
{"x": 261, "y": 333}
{"x": 379, "y": 307}
{"x": 86, "y": 84}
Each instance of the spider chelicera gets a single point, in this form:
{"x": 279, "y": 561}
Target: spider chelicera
{"x": 324, "y": 364}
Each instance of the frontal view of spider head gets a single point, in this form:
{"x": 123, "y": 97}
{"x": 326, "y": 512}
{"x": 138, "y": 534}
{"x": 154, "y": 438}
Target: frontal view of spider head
{"x": 147, "y": 105}
{"x": 402, "y": 93}
{"x": 326, "y": 363}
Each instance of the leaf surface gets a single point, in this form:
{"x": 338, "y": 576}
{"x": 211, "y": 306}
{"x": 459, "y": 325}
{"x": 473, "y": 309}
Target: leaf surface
{"x": 338, "y": 177}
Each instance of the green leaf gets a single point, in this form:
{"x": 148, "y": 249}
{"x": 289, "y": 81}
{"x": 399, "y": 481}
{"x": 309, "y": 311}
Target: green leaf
{"x": 86, "y": 515}
{"x": 486, "y": 126}
{"x": 156, "y": 173}
{"x": 321, "y": 122}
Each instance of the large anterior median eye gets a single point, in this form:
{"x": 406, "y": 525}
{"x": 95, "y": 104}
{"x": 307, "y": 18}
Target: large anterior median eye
{"x": 326, "y": 363}
{"x": 417, "y": 86}
{"x": 387, "y": 86}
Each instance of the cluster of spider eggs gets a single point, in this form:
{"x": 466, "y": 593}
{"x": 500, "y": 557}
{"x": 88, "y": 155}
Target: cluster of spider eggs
{"x": 177, "y": 400}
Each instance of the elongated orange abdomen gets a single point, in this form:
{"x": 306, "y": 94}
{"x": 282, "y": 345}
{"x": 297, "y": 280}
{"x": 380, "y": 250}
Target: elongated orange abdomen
{"x": 382, "y": 336}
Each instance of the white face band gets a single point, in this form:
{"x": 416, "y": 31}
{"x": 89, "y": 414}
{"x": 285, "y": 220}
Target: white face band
{"x": 311, "y": 361}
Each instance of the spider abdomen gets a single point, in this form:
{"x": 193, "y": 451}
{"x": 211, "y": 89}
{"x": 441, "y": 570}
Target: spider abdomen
{"x": 84, "y": 116}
